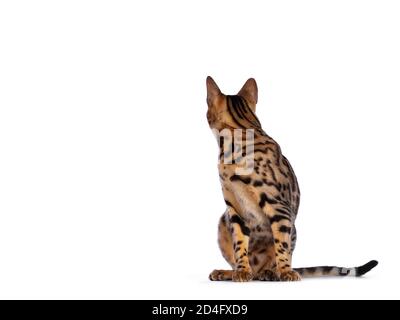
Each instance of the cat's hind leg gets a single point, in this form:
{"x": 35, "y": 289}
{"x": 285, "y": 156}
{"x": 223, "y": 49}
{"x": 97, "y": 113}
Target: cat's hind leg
{"x": 233, "y": 239}
{"x": 226, "y": 245}
{"x": 225, "y": 240}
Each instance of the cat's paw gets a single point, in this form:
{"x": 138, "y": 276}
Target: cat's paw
{"x": 268, "y": 275}
{"x": 220, "y": 275}
{"x": 290, "y": 276}
{"x": 242, "y": 276}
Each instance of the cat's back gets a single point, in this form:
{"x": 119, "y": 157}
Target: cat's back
{"x": 270, "y": 179}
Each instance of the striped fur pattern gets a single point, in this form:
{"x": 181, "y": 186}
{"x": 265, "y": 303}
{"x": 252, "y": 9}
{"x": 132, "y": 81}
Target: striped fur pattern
{"x": 256, "y": 233}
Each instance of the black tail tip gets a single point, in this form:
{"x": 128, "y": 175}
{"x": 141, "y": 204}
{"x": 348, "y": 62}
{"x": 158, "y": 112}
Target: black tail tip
{"x": 366, "y": 267}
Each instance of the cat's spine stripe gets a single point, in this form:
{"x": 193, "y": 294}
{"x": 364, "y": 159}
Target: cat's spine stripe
{"x": 239, "y": 111}
{"x": 232, "y": 112}
{"x": 246, "y": 107}
{"x": 238, "y": 108}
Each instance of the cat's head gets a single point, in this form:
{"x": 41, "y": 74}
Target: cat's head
{"x": 232, "y": 111}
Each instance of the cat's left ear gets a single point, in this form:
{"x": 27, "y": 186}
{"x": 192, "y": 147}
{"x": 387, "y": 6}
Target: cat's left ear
{"x": 212, "y": 90}
{"x": 249, "y": 91}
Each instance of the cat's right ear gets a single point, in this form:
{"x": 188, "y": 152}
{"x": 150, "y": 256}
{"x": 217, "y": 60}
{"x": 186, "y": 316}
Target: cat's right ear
{"x": 213, "y": 91}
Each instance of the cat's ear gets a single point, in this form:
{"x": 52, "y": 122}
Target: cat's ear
{"x": 249, "y": 91}
{"x": 212, "y": 90}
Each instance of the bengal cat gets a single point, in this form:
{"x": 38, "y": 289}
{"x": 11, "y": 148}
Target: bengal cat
{"x": 256, "y": 233}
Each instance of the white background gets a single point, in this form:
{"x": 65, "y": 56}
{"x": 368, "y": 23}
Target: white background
{"x": 108, "y": 177}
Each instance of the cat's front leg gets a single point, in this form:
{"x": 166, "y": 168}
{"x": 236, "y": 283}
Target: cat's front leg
{"x": 240, "y": 236}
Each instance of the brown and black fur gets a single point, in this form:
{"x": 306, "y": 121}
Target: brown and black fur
{"x": 257, "y": 233}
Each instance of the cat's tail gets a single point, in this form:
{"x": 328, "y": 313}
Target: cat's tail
{"x": 311, "y": 272}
